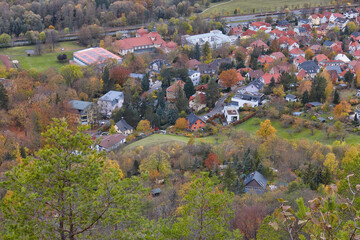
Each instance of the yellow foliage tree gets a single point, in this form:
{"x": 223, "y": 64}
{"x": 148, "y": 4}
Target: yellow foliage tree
{"x": 266, "y": 130}
{"x": 181, "y": 124}
{"x": 342, "y": 110}
{"x": 350, "y": 155}
{"x": 279, "y": 91}
{"x": 309, "y": 54}
{"x": 144, "y": 127}
{"x": 331, "y": 163}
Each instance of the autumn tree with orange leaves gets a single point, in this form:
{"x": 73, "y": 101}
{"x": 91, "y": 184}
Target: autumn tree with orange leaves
{"x": 341, "y": 111}
{"x": 120, "y": 75}
{"x": 229, "y": 78}
{"x": 212, "y": 161}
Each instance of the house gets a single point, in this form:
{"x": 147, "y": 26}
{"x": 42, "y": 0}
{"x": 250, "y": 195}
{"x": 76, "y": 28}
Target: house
{"x": 194, "y": 76}
{"x": 334, "y": 63}
{"x": 282, "y": 25}
{"x": 301, "y": 31}
{"x": 342, "y": 57}
{"x": 278, "y": 56}
{"x": 259, "y": 44}
{"x": 249, "y": 99}
{"x": 83, "y": 111}
{"x": 173, "y": 89}
{"x": 335, "y": 16}
{"x": 356, "y": 54}
{"x": 236, "y": 31}
{"x": 194, "y": 123}
{"x": 247, "y": 34}
{"x": 302, "y": 22}
{"x": 256, "y": 26}
{"x": 89, "y": 56}
{"x": 335, "y": 68}
{"x": 266, "y": 78}
{"x": 155, "y": 192}
{"x": 212, "y": 68}
{"x": 158, "y": 64}
{"x": 197, "y": 102}
{"x": 231, "y": 114}
{"x": 310, "y": 68}
{"x": 276, "y": 33}
{"x": 111, "y": 142}
{"x": 110, "y": 101}
{"x": 355, "y": 36}
{"x": 255, "y": 74}
{"x": 193, "y": 64}
{"x": 313, "y": 104}
{"x": 215, "y": 38}
{"x": 316, "y": 48}
{"x": 296, "y": 52}
{"x": 123, "y": 127}
{"x": 253, "y": 87}
{"x": 265, "y": 59}
{"x": 169, "y": 46}
{"x": 255, "y": 183}
{"x": 315, "y": 19}
{"x": 320, "y": 59}
{"x": 354, "y": 46}
{"x": 141, "y": 32}
{"x": 341, "y": 23}
{"x": 351, "y": 13}
{"x": 299, "y": 60}
{"x": 291, "y": 98}
{"x": 289, "y": 43}
{"x": 328, "y": 43}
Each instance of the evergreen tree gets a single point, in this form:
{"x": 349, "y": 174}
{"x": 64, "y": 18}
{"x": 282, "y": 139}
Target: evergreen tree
{"x": 356, "y": 118}
{"x": 189, "y": 88}
{"x": 248, "y": 162}
{"x": 349, "y": 77}
{"x": 108, "y": 83}
{"x": 305, "y": 97}
{"x": 336, "y": 97}
{"x": 197, "y": 52}
{"x": 145, "y": 84}
{"x": 172, "y": 114}
{"x": 228, "y": 178}
{"x": 212, "y": 93}
{"x": 239, "y": 186}
{"x": 161, "y": 99}
{"x": 181, "y": 101}
{"x": 4, "y": 98}
{"x": 317, "y": 92}
{"x": 206, "y": 52}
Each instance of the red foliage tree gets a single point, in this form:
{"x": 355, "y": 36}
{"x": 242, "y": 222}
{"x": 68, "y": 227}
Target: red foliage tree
{"x": 119, "y": 74}
{"x": 212, "y": 161}
{"x": 229, "y": 78}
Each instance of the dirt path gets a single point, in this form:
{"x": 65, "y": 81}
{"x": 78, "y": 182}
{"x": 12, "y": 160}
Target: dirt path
{"x": 5, "y": 59}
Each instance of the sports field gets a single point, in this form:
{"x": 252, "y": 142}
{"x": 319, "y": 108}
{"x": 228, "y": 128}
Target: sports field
{"x": 225, "y": 8}
{"x": 45, "y": 60}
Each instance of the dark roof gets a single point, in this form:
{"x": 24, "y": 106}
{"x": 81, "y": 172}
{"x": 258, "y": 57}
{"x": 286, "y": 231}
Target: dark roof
{"x": 315, "y": 104}
{"x": 156, "y": 191}
{"x": 328, "y": 43}
{"x": 356, "y": 34}
{"x": 309, "y": 66}
{"x": 123, "y": 125}
{"x": 283, "y": 23}
{"x": 192, "y": 118}
{"x": 258, "y": 177}
{"x": 79, "y": 105}
{"x": 258, "y": 84}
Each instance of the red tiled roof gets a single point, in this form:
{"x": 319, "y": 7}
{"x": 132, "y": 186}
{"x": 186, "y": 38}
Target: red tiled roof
{"x": 277, "y": 55}
{"x": 265, "y": 58}
{"x": 260, "y": 23}
{"x": 300, "y": 59}
{"x": 338, "y": 15}
{"x": 142, "y": 31}
{"x": 301, "y": 74}
{"x": 259, "y": 43}
{"x": 193, "y": 63}
{"x": 356, "y": 53}
{"x": 297, "y": 51}
{"x": 111, "y": 140}
{"x": 95, "y": 55}
{"x": 174, "y": 87}
{"x": 248, "y": 33}
{"x": 129, "y": 43}
{"x": 321, "y": 57}
{"x": 267, "y": 77}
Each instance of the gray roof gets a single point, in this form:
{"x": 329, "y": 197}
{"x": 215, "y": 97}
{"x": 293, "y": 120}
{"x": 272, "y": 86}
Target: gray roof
{"x": 309, "y": 66}
{"x": 328, "y": 43}
{"x": 123, "y": 125}
{"x": 290, "y": 96}
{"x": 79, "y": 105}
{"x": 335, "y": 68}
{"x": 191, "y": 72}
{"x": 156, "y": 191}
{"x": 137, "y": 75}
{"x": 192, "y": 118}
{"x": 356, "y": 34}
{"x": 315, "y": 104}
{"x": 258, "y": 177}
{"x": 111, "y": 96}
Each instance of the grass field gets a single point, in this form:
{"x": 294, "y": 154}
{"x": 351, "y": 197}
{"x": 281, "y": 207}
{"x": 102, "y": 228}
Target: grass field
{"x": 251, "y": 126}
{"x": 157, "y": 139}
{"x": 245, "y": 6}
{"x": 44, "y": 61}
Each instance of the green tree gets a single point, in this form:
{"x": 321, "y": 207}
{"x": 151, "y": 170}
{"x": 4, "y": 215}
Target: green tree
{"x": 228, "y": 178}
{"x": 349, "y": 77}
{"x": 42, "y": 37}
{"x": 197, "y": 52}
{"x": 145, "y": 84}
{"x": 4, "y": 98}
{"x": 66, "y": 189}
{"x": 189, "y": 88}
{"x": 108, "y": 82}
{"x": 336, "y": 97}
{"x": 317, "y": 92}
{"x": 5, "y": 40}
{"x": 172, "y": 114}
{"x": 205, "y": 213}
{"x": 206, "y": 52}
{"x": 267, "y": 232}
{"x": 181, "y": 101}
{"x": 71, "y": 73}
{"x": 212, "y": 94}
{"x": 305, "y": 97}
{"x": 248, "y": 162}
{"x": 157, "y": 162}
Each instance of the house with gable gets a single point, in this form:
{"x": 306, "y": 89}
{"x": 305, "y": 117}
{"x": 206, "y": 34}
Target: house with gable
{"x": 123, "y": 127}
{"x": 194, "y": 123}
{"x": 256, "y": 26}
{"x": 289, "y": 43}
{"x": 255, "y": 74}
{"x": 110, "y": 101}
{"x": 197, "y": 102}
{"x": 194, "y": 76}
{"x": 354, "y": 46}
{"x": 296, "y": 52}
{"x": 255, "y": 183}
{"x": 82, "y": 111}
{"x": 173, "y": 89}
{"x": 310, "y": 67}
{"x": 276, "y": 34}
{"x": 282, "y": 25}
{"x": 355, "y": 36}
{"x": 260, "y": 44}
{"x": 158, "y": 64}
{"x": 111, "y": 142}
{"x": 321, "y": 59}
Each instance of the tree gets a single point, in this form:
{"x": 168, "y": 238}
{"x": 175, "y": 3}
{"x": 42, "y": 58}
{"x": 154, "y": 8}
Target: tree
{"x": 144, "y": 127}
{"x": 5, "y": 40}
{"x": 181, "y": 102}
{"x": 229, "y": 78}
{"x": 351, "y": 26}
{"x": 172, "y": 114}
{"x": 181, "y": 124}
{"x": 206, "y": 53}
{"x": 64, "y": 194}
{"x": 189, "y": 88}
{"x": 62, "y": 57}
{"x": 108, "y": 83}
{"x": 157, "y": 165}
{"x": 145, "y": 83}
{"x": 212, "y": 161}
{"x": 331, "y": 163}
{"x": 205, "y": 213}
{"x": 336, "y": 97}
{"x": 317, "y": 92}
{"x": 197, "y": 52}
{"x": 341, "y": 111}
{"x": 212, "y": 94}
{"x": 120, "y": 75}
{"x": 228, "y": 178}
{"x": 305, "y": 97}
{"x": 71, "y": 73}
{"x": 266, "y": 131}
{"x": 309, "y": 54}
{"x": 349, "y": 77}
{"x": 279, "y": 91}
{"x": 4, "y": 98}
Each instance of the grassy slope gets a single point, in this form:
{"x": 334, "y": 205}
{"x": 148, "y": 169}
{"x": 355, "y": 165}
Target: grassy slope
{"x": 261, "y": 5}
{"x": 157, "y": 139}
{"x": 319, "y": 135}
{"x": 44, "y": 61}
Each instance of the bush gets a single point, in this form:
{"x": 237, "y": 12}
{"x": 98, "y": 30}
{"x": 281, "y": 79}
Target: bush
{"x": 62, "y": 57}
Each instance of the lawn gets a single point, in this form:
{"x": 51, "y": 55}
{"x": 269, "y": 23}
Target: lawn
{"x": 157, "y": 139}
{"x": 246, "y": 6}
{"x": 252, "y": 126}
{"x": 44, "y": 61}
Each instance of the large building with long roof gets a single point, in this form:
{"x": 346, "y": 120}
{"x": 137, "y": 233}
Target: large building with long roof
{"x": 91, "y": 56}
